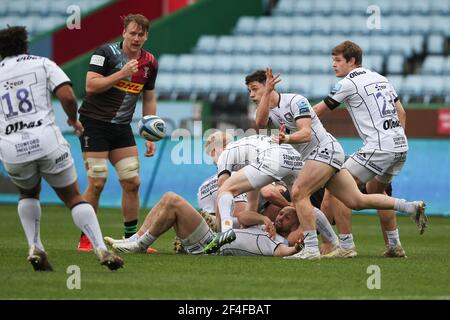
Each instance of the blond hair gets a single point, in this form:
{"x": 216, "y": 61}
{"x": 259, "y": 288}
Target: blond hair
{"x": 217, "y": 139}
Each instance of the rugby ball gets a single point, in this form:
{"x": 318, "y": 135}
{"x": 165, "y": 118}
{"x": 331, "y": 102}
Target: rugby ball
{"x": 151, "y": 128}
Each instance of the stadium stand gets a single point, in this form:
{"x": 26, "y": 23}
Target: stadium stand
{"x": 41, "y": 16}
{"x": 411, "y": 46}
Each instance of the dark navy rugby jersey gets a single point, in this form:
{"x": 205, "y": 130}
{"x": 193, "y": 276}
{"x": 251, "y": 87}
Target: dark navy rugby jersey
{"x": 117, "y": 104}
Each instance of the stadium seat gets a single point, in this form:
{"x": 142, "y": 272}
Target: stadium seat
{"x": 435, "y": 44}
{"x": 300, "y": 64}
{"x": 225, "y": 45}
{"x": 185, "y": 63}
{"x": 206, "y": 44}
{"x": 433, "y": 65}
{"x": 395, "y": 64}
{"x": 167, "y": 63}
{"x": 320, "y": 86}
{"x": 446, "y": 66}
{"x": 245, "y": 26}
{"x": 243, "y": 45}
{"x": 432, "y": 86}
{"x": 203, "y": 63}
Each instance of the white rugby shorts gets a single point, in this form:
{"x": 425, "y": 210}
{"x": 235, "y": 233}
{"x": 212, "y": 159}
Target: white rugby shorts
{"x": 57, "y": 168}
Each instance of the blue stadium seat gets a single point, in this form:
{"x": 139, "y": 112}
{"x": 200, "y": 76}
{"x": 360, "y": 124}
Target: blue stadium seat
{"x": 261, "y": 45}
{"x": 264, "y": 25}
{"x": 225, "y": 45}
{"x": 223, "y": 63}
{"x": 201, "y": 84}
{"x": 320, "y": 64}
{"x": 243, "y": 45}
{"x": 432, "y": 86}
{"x": 302, "y": 26}
{"x": 185, "y": 63}
{"x": 433, "y": 65}
{"x": 441, "y": 7}
{"x": 446, "y": 66}
{"x": 203, "y": 63}
{"x": 300, "y": 45}
{"x": 245, "y": 26}
{"x": 281, "y": 45}
{"x": 300, "y": 84}
{"x": 320, "y": 86}
{"x": 435, "y": 44}
{"x": 395, "y": 64}
{"x": 167, "y": 63}
{"x": 242, "y": 64}
{"x": 300, "y": 64}
{"x": 420, "y": 25}
{"x": 280, "y": 64}
{"x": 206, "y": 44}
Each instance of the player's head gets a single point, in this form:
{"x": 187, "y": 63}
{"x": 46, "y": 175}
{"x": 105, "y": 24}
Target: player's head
{"x": 346, "y": 57}
{"x": 13, "y": 41}
{"x": 255, "y": 83}
{"x": 286, "y": 220}
{"x": 216, "y": 142}
{"x": 135, "y": 32}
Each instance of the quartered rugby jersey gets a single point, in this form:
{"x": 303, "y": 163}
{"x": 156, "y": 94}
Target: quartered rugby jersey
{"x": 117, "y": 104}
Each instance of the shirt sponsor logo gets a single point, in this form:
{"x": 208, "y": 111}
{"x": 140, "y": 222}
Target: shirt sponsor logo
{"x": 356, "y": 73}
{"x": 97, "y": 60}
{"x": 391, "y": 124}
{"x": 128, "y": 86}
{"x": 14, "y": 127}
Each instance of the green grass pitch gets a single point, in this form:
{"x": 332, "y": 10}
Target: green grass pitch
{"x": 165, "y": 275}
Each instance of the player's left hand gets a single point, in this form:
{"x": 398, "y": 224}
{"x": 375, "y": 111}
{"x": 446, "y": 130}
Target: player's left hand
{"x": 150, "y": 151}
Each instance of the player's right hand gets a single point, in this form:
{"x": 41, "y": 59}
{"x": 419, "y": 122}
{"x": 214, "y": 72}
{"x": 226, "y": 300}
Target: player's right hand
{"x": 130, "y": 67}
{"x": 271, "y": 81}
{"x": 78, "y": 128}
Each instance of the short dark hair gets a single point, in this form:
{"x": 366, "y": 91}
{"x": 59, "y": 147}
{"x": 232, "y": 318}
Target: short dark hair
{"x": 139, "y": 19}
{"x": 258, "y": 76}
{"x": 348, "y": 50}
{"x": 13, "y": 41}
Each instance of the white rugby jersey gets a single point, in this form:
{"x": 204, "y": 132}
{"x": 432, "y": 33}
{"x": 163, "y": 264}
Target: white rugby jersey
{"x": 27, "y": 122}
{"x": 252, "y": 241}
{"x": 238, "y": 154}
{"x": 207, "y": 195}
{"x": 292, "y": 107}
{"x": 370, "y": 100}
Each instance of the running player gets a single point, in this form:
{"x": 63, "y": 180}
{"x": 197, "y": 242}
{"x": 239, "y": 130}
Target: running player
{"x": 32, "y": 146}
{"x": 118, "y": 73}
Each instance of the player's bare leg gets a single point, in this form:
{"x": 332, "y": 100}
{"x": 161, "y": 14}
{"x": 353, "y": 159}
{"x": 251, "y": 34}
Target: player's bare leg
{"x": 311, "y": 178}
{"x": 128, "y": 172}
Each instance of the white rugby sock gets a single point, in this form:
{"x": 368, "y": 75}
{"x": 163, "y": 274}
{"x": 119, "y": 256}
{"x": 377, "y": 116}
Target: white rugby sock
{"x": 29, "y": 210}
{"x": 346, "y": 241}
{"x": 83, "y": 215}
{"x": 226, "y": 204}
{"x": 405, "y": 206}
{"x": 146, "y": 240}
{"x": 325, "y": 228}
{"x": 393, "y": 238}
{"x": 311, "y": 241}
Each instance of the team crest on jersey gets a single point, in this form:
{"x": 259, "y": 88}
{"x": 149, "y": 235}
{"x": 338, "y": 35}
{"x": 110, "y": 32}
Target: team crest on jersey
{"x": 128, "y": 86}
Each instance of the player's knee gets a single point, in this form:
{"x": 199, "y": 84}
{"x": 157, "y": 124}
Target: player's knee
{"x": 97, "y": 168}
{"x": 169, "y": 198}
{"x": 128, "y": 168}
